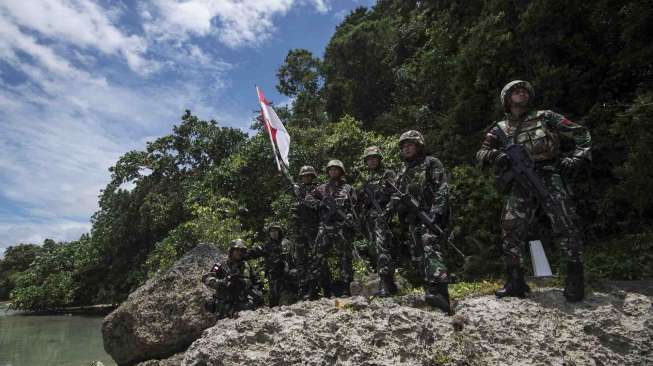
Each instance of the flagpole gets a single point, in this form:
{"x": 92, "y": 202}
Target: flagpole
{"x": 267, "y": 127}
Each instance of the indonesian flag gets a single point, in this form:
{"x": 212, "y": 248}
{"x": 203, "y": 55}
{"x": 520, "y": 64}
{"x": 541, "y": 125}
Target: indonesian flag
{"x": 275, "y": 127}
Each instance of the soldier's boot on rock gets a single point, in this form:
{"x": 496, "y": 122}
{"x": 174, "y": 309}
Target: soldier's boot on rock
{"x": 574, "y": 282}
{"x": 437, "y": 295}
{"x": 387, "y": 287}
{"x": 515, "y": 286}
{"x": 341, "y": 289}
{"x": 209, "y": 305}
{"x": 311, "y": 292}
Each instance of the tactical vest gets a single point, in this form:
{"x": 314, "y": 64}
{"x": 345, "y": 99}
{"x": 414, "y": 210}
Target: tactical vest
{"x": 374, "y": 188}
{"x": 416, "y": 180}
{"x": 339, "y": 192}
{"x": 540, "y": 143}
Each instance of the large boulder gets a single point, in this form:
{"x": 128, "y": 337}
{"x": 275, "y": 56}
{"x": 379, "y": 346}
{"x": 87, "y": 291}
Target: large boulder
{"x": 165, "y": 315}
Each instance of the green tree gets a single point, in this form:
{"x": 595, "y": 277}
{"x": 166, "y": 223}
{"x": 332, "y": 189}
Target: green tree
{"x": 16, "y": 259}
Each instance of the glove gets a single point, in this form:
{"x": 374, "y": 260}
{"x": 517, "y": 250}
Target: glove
{"x": 211, "y": 282}
{"x": 570, "y": 164}
{"x": 502, "y": 161}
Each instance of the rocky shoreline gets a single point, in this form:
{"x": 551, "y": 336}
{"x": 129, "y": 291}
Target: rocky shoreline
{"x": 163, "y": 324}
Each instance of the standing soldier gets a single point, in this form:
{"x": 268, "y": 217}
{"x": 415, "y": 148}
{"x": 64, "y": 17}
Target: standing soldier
{"x": 305, "y": 221}
{"x": 275, "y": 264}
{"x": 234, "y": 282}
{"x": 337, "y": 202}
{"x": 539, "y": 132}
{"x": 374, "y": 196}
{"x": 424, "y": 179}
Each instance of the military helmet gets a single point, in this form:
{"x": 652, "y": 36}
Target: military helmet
{"x": 412, "y": 135}
{"x": 275, "y": 225}
{"x": 505, "y": 92}
{"x": 237, "y": 244}
{"x": 372, "y": 151}
{"x": 307, "y": 170}
{"x": 336, "y": 163}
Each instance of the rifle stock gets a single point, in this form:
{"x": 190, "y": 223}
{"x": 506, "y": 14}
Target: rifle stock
{"x": 413, "y": 205}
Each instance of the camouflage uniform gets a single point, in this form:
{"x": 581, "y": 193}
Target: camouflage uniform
{"x": 540, "y": 132}
{"x": 235, "y": 284}
{"x": 425, "y": 179}
{"x": 337, "y": 200}
{"x": 374, "y": 196}
{"x": 275, "y": 264}
{"x": 304, "y": 224}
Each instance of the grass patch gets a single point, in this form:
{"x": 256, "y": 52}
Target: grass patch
{"x": 466, "y": 289}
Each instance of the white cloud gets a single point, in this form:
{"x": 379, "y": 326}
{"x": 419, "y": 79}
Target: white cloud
{"x": 235, "y": 23}
{"x": 322, "y": 6}
{"x": 32, "y": 233}
{"x": 64, "y": 125}
{"x": 77, "y": 91}
{"x": 80, "y": 23}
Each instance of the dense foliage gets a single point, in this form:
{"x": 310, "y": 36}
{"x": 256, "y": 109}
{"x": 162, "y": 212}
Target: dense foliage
{"x": 432, "y": 66}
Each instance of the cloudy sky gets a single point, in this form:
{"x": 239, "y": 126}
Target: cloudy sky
{"x": 84, "y": 81}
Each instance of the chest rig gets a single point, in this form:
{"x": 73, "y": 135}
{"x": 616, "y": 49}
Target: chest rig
{"x": 415, "y": 179}
{"x": 534, "y": 135}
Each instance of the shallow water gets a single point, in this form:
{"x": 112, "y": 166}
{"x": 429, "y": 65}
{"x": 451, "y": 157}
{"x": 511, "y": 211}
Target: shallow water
{"x": 35, "y": 340}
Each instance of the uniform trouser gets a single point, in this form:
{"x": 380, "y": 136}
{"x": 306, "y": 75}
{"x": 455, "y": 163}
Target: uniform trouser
{"x": 519, "y": 211}
{"x": 425, "y": 253}
{"x": 275, "y": 287}
{"x": 304, "y": 249}
{"x": 380, "y": 238}
{"x": 337, "y": 239}
{"x": 231, "y": 302}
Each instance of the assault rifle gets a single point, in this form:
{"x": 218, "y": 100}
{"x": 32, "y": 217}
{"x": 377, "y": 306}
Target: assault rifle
{"x": 330, "y": 203}
{"x": 377, "y": 206}
{"x": 522, "y": 171}
{"x": 413, "y": 205}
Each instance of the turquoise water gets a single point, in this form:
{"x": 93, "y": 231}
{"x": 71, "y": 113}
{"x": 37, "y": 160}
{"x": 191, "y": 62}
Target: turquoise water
{"x": 43, "y": 340}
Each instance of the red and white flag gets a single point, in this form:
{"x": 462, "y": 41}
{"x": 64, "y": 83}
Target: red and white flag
{"x": 273, "y": 124}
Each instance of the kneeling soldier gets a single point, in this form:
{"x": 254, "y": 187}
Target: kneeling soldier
{"x": 234, "y": 282}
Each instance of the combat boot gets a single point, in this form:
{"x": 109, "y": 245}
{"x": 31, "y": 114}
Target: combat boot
{"x": 437, "y": 295}
{"x": 574, "y": 282}
{"x": 387, "y": 286}
{"x": 341, "y": 289}
{"x": 515, "y": 285}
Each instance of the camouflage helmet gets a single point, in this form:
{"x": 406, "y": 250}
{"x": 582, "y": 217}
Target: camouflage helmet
{"x": 412, "y": 135}
{"x": 505, "y": 92}
{"x": 275, "y": 225}
{"x": 336, "y": 163}
{"x": 237, "y": 244}
{"x": 372, "y": 151}
{"x": 307, "y": 170}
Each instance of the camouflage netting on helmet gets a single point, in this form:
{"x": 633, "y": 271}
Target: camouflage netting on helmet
{"x": 237, "y": 244}
{"x": 372, "y": 151}
{"x": 505, "y": 92}
{"x": 307, "y": 170}
{"x": 412, "y": 136}
{"x": 336, "y": 163}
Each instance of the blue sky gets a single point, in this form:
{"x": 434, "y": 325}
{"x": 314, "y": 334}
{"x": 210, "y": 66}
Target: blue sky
{"x": 82, "y": 82}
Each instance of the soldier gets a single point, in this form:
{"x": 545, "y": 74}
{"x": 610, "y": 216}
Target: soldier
{"x": 235, "y": 283}
{"x": 337, "y": 201}
{"x": 540, "y": 133}
{"x": 275, "y": 262}
{"x": 424, "y": 178}
{"x": 304, "y": 224}
{"x": 374, "y": 195}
